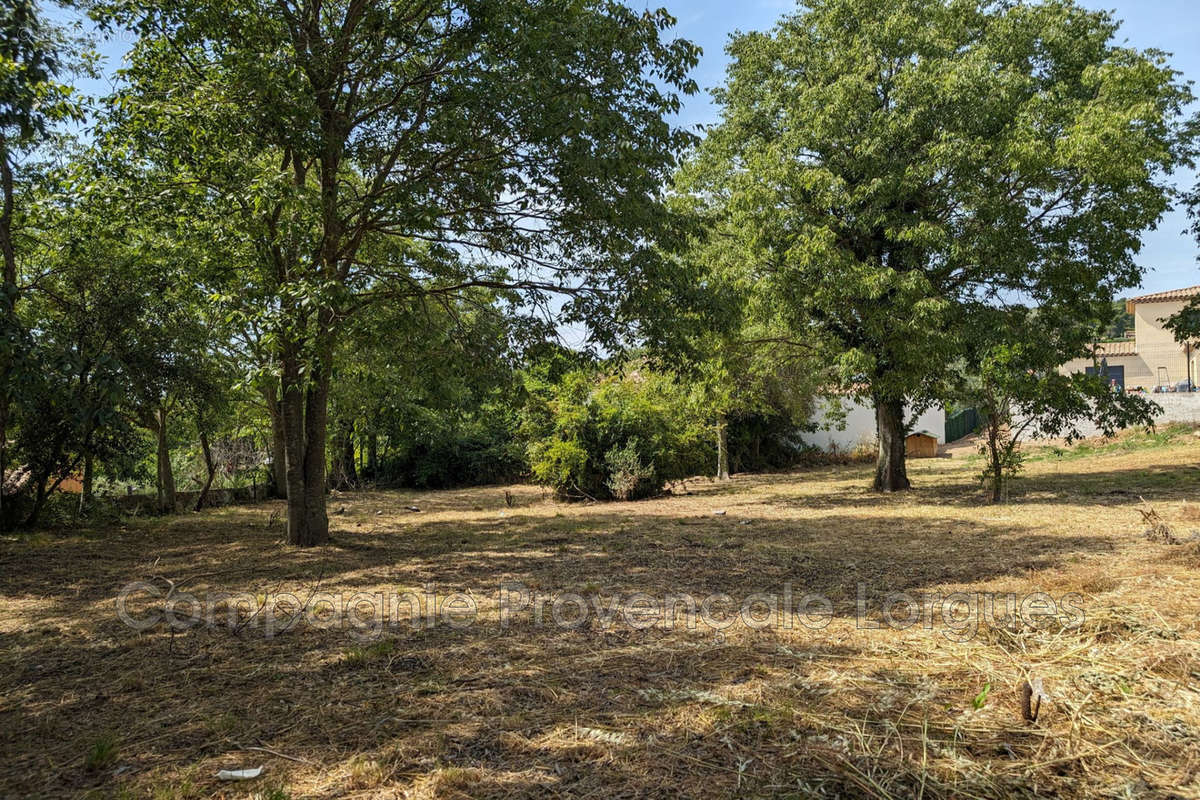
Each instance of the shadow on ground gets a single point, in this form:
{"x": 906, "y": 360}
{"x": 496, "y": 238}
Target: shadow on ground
{"x": 527, "y": 709}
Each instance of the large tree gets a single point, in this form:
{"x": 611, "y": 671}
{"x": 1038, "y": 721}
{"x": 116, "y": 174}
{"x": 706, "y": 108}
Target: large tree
{"x": 94, "y": 313}
{"x": 891, "y": 168}
{"x": 489, "y": 142}
{"x": 34, "y": 55}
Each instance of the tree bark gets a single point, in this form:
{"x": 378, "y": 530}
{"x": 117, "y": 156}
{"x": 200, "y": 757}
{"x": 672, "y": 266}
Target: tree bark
{"x": 166, "y": 478}
{"x": 3, "y": 443}
{"x": 304, "y": 413}
{"x": 316, "y": 428}
{"x": 345, "y": 474}
{"x": 86, "y": 491}
{"x": 292, "y": 414}
{"x": 890, "y": 472}
{"x": 44, "y": 488}
{"x": 210, "y": 467}
{"x": 995, "y": 444}
{"x": 39, "y": 502}
{"x": 722, "y": 448}
{"x": 278, "y": 446}
{"x": 6, "y": 215}
{"x": 373, "y": 455}
{"x": 997, "y": 479}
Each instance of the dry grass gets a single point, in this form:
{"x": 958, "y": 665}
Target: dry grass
{"x": 90, "y": 708}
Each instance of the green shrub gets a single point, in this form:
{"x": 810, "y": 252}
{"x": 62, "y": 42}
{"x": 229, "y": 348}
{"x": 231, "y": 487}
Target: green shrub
{"x": 613, "y": 436}
{"x": 628, "y": 477}
{"x": 451, "y": 451}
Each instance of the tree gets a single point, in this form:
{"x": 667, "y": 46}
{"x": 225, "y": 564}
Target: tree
{"x": 737, "y": 350}
{"x": 1015, "y": 382}
{"x": 1122, "y": 321}
{"x": 171, "y": 370}
{"x": 890, "y": 169}
{"x": 1186, "y": 324}
{"x": 489, "y": 142}
{"x": 95, "y": 292}
{"x": 754, "y": 371}
{"x": 435, "y": 379}
{"x": 615, "y": 433}
{"x": 33, "y": 55}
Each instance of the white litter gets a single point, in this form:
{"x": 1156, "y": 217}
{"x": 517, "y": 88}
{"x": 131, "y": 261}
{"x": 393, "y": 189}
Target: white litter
{"x": 239, "y": 774}
{"x": 599, "y": 735}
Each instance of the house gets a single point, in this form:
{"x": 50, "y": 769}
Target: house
{"x": 1151, "y": 359}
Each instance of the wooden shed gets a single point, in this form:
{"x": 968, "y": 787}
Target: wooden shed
{"x": 921, "y": 444}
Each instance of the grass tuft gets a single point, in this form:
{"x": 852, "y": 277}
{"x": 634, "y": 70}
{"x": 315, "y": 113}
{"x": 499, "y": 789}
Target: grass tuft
{"x": 101, "y": 753}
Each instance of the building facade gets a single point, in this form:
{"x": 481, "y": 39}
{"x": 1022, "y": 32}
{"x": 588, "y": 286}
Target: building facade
{"x": 1151, "y": 360}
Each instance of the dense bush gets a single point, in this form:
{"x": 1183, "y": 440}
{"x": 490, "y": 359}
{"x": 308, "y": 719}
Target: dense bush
{"x": 476, "y": 451}
{"x": 763, "y": 440}
{"x": 613, "y": 436}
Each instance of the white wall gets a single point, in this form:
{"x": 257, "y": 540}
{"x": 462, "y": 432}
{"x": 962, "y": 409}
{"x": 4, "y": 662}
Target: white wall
{"x": 859, "y": 430}
{"x": 1176, "y": 407}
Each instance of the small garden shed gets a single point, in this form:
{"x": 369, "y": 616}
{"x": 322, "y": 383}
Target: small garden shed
{"x": 921, "y": 444}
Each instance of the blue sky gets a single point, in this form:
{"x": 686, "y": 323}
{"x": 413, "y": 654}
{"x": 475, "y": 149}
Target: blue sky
{"x": 1168, "y": 254}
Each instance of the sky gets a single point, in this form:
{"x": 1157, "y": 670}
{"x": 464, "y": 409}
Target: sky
{"x": 1168, "y": 254}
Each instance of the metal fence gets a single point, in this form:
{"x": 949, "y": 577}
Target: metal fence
{"x": 962, "y": 422}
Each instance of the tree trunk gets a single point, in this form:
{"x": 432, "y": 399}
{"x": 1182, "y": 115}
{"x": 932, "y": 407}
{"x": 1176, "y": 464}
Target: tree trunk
{"x": 39, "y": 502}
{"x": 86, "y": 492}
{"x": 304, "y": 428}
{"x": 316, "y": 426}
{"x": 210, "y": 467}
{"x": 278, "y": 447}
{"x": 8, "y": 300}
{"x": 722, "y": 448}
{"x": 3, "y": 441}
{"x": 890, "y": 472}
{"x": 995, "y": 455}
{"x": 166, "y": 479}
{"x": 6, "y": 215}
{"x": 373, "y": 456}
{"x": 44, "y": 488}
{"x": 345, "y": 474}
{"x": 997, "y": 480}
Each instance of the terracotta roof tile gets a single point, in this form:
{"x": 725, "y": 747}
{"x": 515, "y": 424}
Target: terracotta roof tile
{"x": 1127, "y": 347}
{"x": 1163, "y": 297}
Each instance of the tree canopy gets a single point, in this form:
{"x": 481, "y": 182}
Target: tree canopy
{"x": 891, "y": 169}
{"x": 387, "y": 151}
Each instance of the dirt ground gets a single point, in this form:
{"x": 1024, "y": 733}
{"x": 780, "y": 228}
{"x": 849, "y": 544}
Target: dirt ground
{"x": 843, "y": 700}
